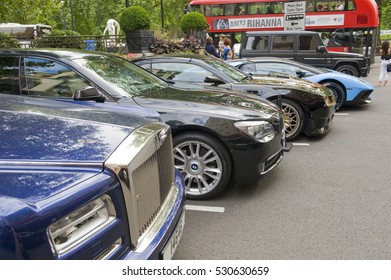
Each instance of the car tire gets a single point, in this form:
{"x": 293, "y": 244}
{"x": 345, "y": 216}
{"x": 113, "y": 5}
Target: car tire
{"x": 338, "y": 92}
{"x": 348, "y": 69}
{"x": 293, "y": 119}
{"x": 204, "y": 163}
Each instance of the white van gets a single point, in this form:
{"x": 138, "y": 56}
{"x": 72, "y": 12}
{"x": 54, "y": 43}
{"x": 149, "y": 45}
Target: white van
{"x": 25, "y": 32}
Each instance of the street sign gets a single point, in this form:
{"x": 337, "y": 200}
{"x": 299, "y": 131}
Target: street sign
{"x": 294, "y": 15}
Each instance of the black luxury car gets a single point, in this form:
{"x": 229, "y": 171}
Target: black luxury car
{"x": 217, "y": 135}
{"x": 308, "y": 107}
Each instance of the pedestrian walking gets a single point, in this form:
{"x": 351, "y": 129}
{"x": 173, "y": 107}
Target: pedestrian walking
{"x": 385, "y": 60}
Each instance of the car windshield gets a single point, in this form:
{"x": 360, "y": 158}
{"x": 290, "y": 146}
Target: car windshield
{"x": 127, "y": 78}
{"x": 228, "y": 70}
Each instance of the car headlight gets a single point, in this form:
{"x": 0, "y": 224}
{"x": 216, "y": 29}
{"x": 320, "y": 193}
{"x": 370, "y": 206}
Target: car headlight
{"x": 329, "y": 98}
{"x": 78, "y": 226}
{"x": 262, "y": 131}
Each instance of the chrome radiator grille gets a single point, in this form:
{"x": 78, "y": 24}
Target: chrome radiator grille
{"x": 144, "y": 165}
{"x": 158, "y": 170}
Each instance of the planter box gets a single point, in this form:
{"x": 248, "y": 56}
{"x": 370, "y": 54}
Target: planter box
{"x": 139, "y": 41}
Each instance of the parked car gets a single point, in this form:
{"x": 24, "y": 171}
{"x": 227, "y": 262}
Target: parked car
{"x": 347, "y": 89}
{"x": 216, "y": 134}
{"x": 74, "y": 185}
{"x": 302, "y": 46}
{"x": 308, "y": 107}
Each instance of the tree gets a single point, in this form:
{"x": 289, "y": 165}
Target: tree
{"x": 30, "y": 11}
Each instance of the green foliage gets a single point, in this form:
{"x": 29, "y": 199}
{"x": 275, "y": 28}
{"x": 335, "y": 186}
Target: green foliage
{"x": 8, "y": 42}
{"x": 385, "y": 20}
{"x": 60, "y": 39}
{"x": 193, "y": 22}
{"x": 89, "y": 17}
{"x": 29, "y": 11}
{"x": 134, "y": 18}
{"x": 173, "y": 11}
{"x": 190, "y": 45}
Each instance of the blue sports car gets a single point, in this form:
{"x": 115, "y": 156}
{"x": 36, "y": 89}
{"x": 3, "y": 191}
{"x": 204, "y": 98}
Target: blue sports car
{"x": 346, "y": 88}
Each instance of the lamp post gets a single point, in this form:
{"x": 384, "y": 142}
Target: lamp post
{"x": 63, "y": 14}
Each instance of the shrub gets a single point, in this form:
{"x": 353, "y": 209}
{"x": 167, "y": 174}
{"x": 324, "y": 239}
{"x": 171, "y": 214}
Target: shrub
{"x": 134, "y": 18}
{"x": 193, "y": 22}
{"x": 189, "y": 45}
{"x": 7, "y": 41}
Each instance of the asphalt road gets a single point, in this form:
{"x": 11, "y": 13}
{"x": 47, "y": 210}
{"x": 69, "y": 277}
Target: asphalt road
{"x": 329, "y": 199}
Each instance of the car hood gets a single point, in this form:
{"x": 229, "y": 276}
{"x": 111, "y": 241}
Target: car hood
{"x": 108, "y": 112}
{"x": 42, "y": 154}
{"x": 42, "y": 137}
{"x": 229, "y": 104}
{"x": 291, "y": 83}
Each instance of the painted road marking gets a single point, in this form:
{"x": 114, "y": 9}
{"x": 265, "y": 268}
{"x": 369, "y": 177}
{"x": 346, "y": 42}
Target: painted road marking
{"x": 300, "y": 144}
{"x": 341, "y": 114}
{"x": 205, "y": 208}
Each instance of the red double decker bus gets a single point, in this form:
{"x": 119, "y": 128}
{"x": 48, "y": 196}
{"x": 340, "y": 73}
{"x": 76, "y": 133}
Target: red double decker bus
{"x": 345, "y": 26}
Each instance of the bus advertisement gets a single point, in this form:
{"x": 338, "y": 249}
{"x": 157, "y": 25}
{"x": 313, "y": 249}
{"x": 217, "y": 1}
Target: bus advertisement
{"x": 345, "y": 25}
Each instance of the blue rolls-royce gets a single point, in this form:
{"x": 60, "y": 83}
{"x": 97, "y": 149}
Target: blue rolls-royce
{"x": 76, "y": 185}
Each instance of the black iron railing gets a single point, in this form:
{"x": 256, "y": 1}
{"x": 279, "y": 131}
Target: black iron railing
{"x": 115, "y": 44}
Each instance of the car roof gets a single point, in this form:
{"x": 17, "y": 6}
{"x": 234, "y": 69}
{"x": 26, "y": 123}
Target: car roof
{"x": 176, "y": 56}
{"x": 55, "y": 53}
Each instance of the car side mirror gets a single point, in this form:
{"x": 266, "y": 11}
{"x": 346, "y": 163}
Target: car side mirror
{"x": 300, "y": 74}
{"x": 213, "y": 80}
{"x": 321, "y": 49}
{"x": 89, "y": 93}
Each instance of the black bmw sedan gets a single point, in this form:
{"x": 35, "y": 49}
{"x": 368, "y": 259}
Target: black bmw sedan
{"x": 217, "y": 135}
{"x": 308, "y": 107}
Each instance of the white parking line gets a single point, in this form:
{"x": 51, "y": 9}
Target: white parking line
{"x": 300, "y": 144}
{"x": 341, "y": 114}
{"x": 205, "y": 208}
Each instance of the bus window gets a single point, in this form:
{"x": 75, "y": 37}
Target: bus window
{"x": 257, "y": 8}
{"x": 198, "y": 9}
{"x": 351, "y": 5}
{"x": 277, "y": 8}
{"x": 310, "y": 6}
{"x": 230, "y": 9}
{"x": 207, "y": 10}
{"x": 217, "y": 10}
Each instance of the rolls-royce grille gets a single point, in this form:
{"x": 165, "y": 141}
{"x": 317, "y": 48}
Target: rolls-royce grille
{"x": 144, "y": 164}
{"x": 156, "y": 171}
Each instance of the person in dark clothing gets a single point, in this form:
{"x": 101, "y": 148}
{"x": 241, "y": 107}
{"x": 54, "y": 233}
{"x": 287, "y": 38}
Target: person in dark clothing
{"x": 210, "y": 48}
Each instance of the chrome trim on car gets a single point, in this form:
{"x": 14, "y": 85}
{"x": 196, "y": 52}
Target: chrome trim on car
{"x": 144, "y": 164}
{"x": 51, "y": 163}
{"x": 280, "y": 155}
{"x": 110, "y": 251}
